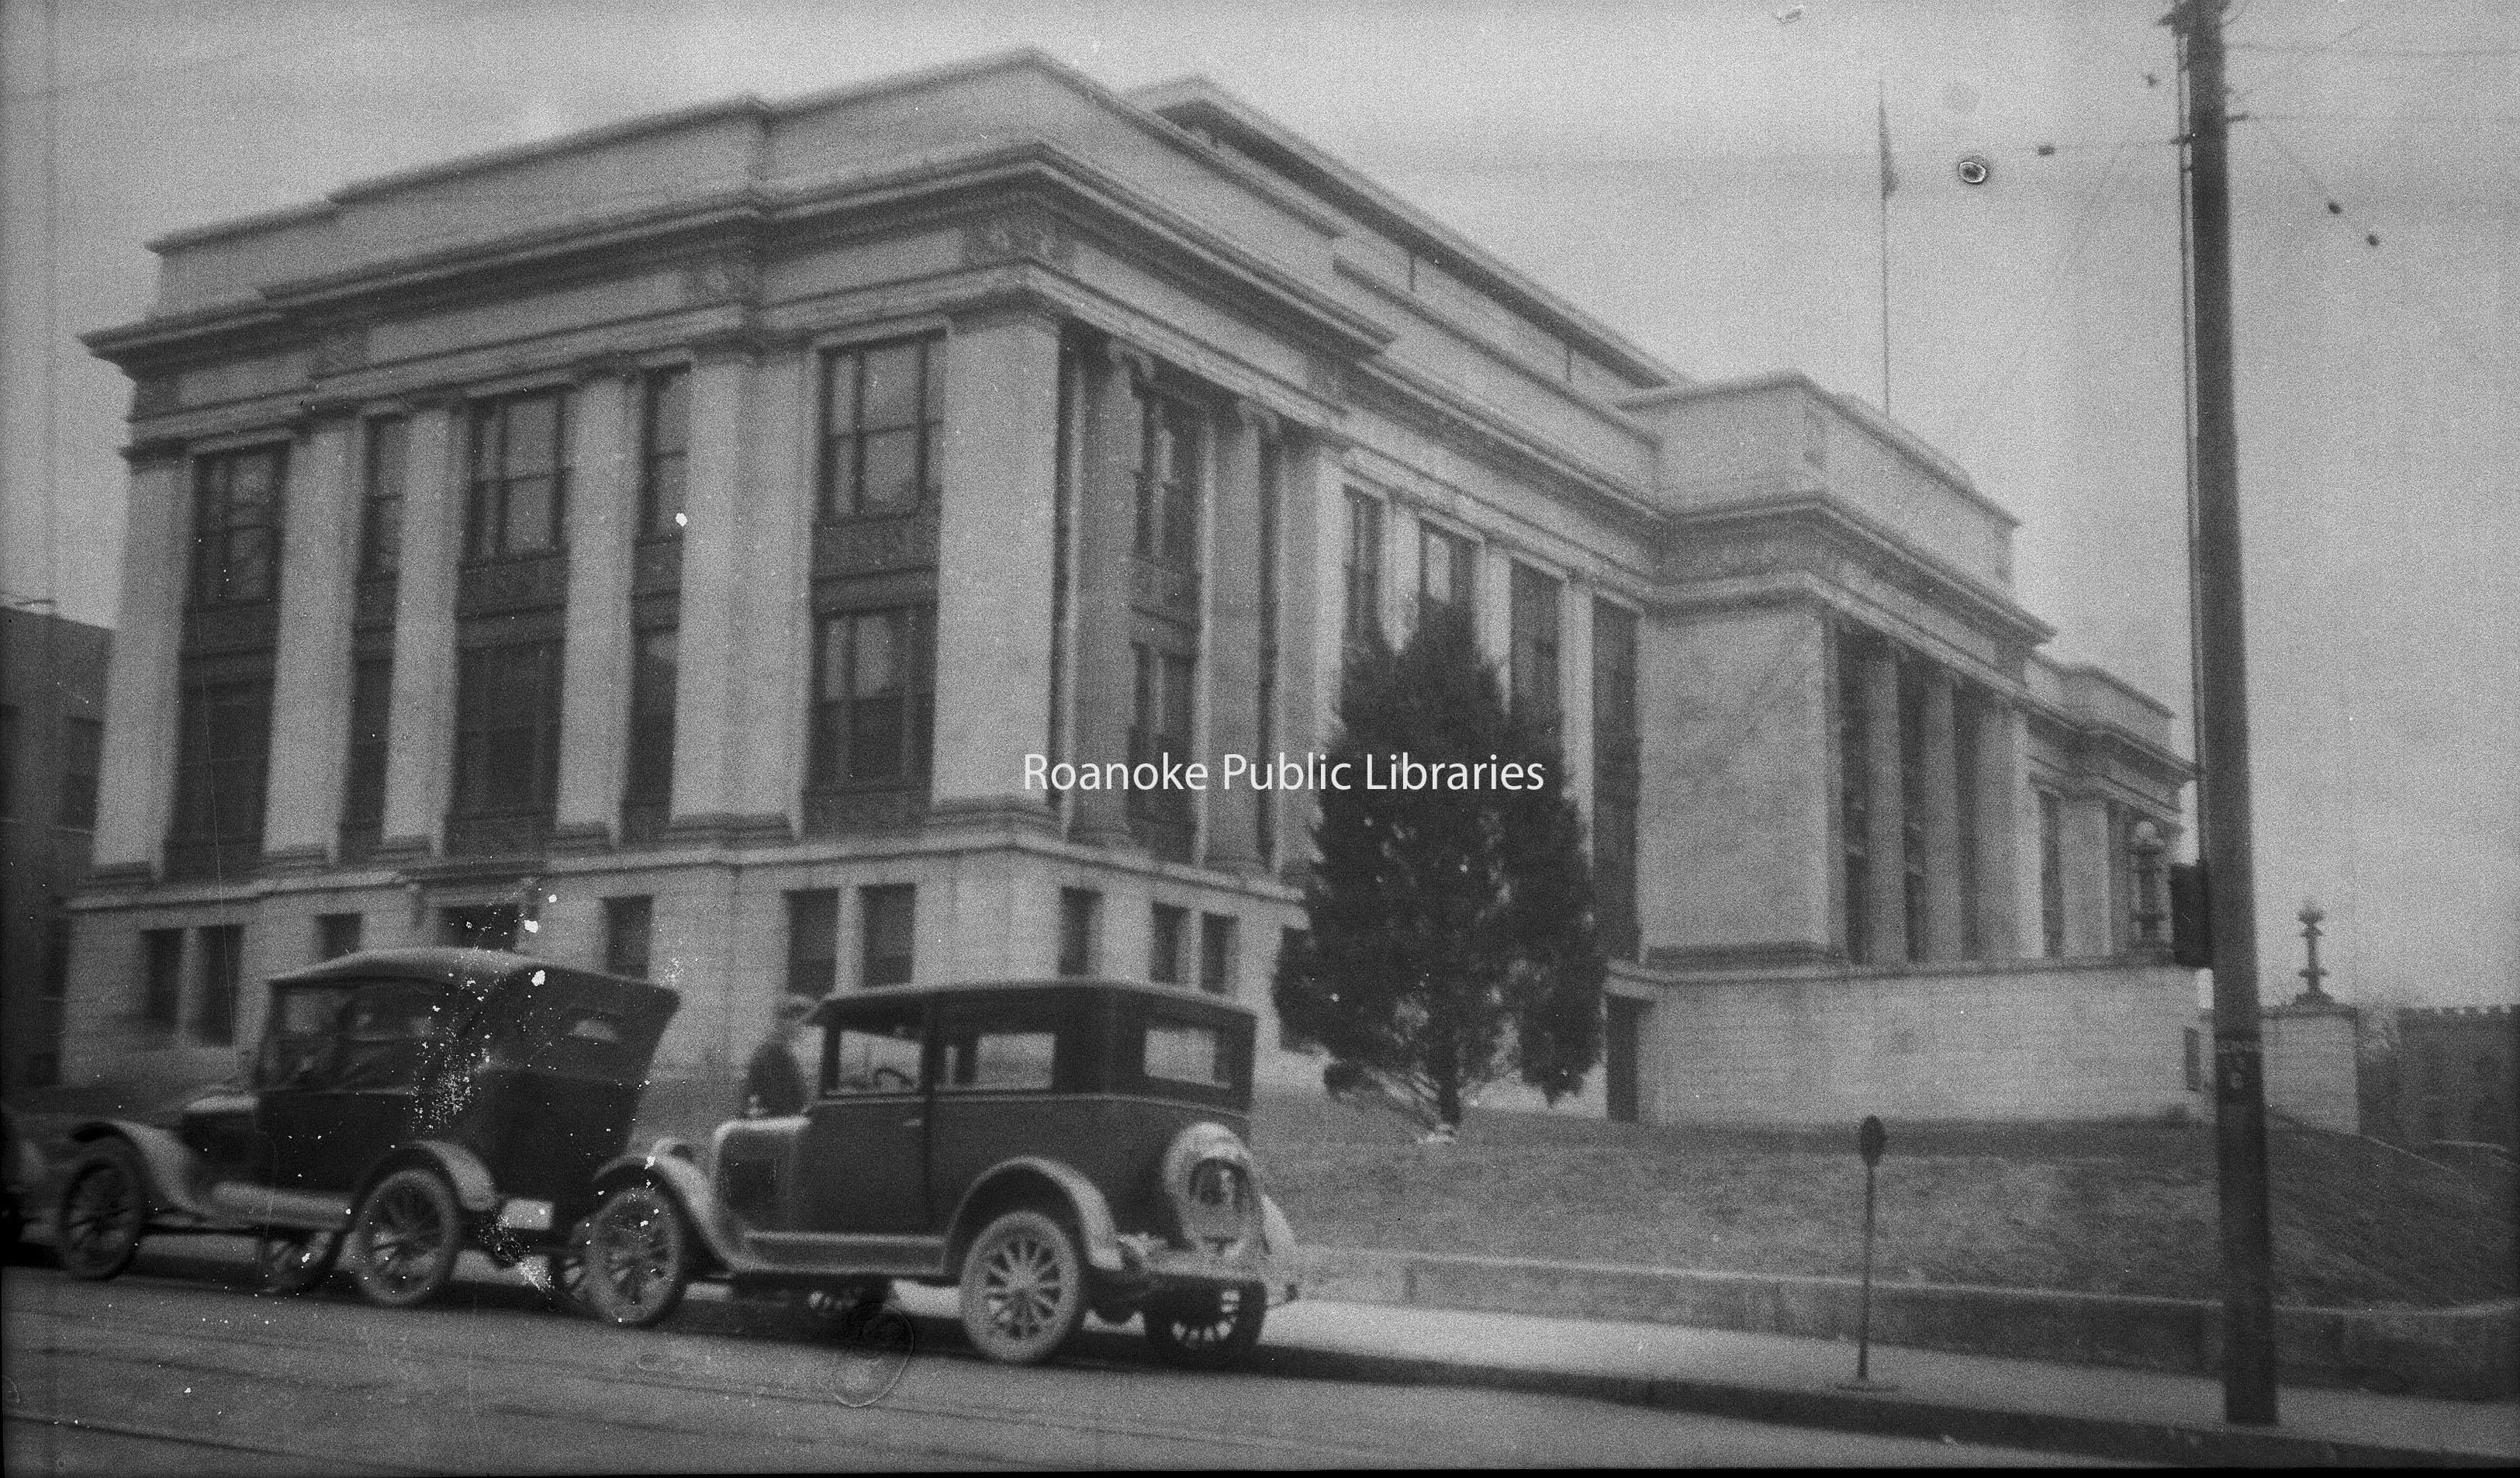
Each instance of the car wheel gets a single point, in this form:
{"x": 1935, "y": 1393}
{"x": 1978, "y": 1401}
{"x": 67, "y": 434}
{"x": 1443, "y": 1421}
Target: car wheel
{"x": 104, "y": 1211}
{"x": 566, "y": 1267}
{"x": 287, "y": 1263}
{"x": 1207, "y": 1329}
{"x": 638, "y": 1257}
{"x": 1023, "y": 1288}
{"x": 407, "y": 1236}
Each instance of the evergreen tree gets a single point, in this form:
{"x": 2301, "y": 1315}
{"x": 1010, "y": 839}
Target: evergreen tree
{"x": 1451, "y": 933}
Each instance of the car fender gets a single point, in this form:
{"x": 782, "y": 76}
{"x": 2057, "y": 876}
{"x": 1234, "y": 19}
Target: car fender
{"x": 1094, "y": 1224}
{"x": 475, "y": 1189}
{"x": 671, "y": 1164}
{"x": 174, "y": 1178}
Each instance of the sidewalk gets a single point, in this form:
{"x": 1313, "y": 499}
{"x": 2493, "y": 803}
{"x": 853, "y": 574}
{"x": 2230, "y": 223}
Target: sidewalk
{"x": 2084, "y": 1411}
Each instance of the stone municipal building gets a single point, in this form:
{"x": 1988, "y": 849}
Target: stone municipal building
{"x": 659, "y": 548}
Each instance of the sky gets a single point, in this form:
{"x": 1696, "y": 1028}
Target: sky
{"x": 1704, "y": 178}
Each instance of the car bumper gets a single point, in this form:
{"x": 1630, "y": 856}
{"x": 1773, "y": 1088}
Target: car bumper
{"x": 1160, "y": 1266}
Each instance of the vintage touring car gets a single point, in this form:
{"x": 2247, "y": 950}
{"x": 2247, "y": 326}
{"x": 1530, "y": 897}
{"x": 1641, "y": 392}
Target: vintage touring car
{"x": 1050, "y": 1147}
{"x": 401, "y": 1105}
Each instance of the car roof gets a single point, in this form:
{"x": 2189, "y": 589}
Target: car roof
{"x": 475, "y": 970}
{"x": 1175, "y": 995}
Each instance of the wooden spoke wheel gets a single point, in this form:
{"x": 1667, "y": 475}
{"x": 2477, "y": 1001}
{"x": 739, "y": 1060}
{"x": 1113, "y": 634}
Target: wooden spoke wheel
{"x": 405, "y": 1240}
{"x": 1208, "y": 1329}
{"x": 288, "y": 1261}
{"x": 104, "y": 1211}
{"x": 1023, "y": 1288}
{"x": 638, "y": 1257}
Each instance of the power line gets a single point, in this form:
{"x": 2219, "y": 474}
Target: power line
{"x": 2384, "y": 51}
{"x": 2312, "y": 55}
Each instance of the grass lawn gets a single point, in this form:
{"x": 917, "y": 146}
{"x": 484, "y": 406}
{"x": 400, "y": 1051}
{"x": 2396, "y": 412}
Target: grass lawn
{"x": 2104, "y": 1209}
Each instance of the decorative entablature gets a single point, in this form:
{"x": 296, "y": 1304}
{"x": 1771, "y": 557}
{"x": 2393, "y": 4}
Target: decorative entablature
{"x": 2095, "y": 736}
{"x": 1808, "y": 548}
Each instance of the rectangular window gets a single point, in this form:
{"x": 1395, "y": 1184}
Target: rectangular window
{"x": 236, "y": 526}
{"x": 1534, "y": 645}
{"x": 1854, "y": 802}
{"x": 363, "y": 790}
{"x": 813, "y": 941}
{"x": 161, "y": 981}
{"x": 2051, "y": 875}
{"x": 1010, "y": 1055}
{"x": 222, "y": 752}
{"x": 506, "y": 729}
{"x": 1363, "y": 568}
{"x": 1160, "y": 725}
{"x": 82, "y": 755}
{"x": 480, "y": 926}
{"x": 629, "y": 933}
{"x": 1615, "y": 777}
{"x": 1216, "y": 953}
{"x": 388, "y": 458}
{"x": 1447, "y": 574}
{"x": 664, "y": 449}
{"x": 1164, "y": 944}
{"x": 1177, "y": 1051}
{"x": 1168, "y": 480}
{"x": 875, "y": 696}
{"x": 889, "y": 917}
{"x": 653, "y": 671}
{"x": 1078, "y": 907}
{"x": 883, "y": 416}
{"x": 879, "y": 1057}
{"x": 337, "y": 934}
{"x": 519, "y": 487}
{"x": 221, "y": 953}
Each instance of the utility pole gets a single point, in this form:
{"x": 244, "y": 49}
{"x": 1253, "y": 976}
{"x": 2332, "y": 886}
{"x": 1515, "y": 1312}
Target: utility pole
{"x": 2223, "y": 733}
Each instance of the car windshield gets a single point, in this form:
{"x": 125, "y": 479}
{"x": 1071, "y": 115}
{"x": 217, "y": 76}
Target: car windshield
{"x": 385, "y": 1031}
{"x": 300, "y": 1039}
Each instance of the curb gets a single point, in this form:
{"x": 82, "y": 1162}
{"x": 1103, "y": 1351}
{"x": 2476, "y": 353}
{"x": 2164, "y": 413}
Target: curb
{"x": 1878, "y": 1413}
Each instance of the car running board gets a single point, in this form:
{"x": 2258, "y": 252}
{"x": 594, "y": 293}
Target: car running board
{"x": 263, "y": 1206}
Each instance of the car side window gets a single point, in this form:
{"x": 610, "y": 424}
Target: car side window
{"x": 877, "y": 1055}
{"x": 1180, "y": 1051}
{"x": 1002, "y": 1051}
{"x": 301, "y": 1037}
{"x": 387, "y": 1029}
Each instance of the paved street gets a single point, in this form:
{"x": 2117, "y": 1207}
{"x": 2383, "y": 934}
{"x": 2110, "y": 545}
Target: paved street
{"x": 154, "y": 1373}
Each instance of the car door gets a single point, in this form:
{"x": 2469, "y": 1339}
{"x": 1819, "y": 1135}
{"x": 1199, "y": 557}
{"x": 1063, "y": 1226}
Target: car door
{"x": 325, "y": 1130}
{"x": 862, "y": 1161}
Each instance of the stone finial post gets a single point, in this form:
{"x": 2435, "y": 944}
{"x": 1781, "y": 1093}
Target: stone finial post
{"x": 2311, "y": 974}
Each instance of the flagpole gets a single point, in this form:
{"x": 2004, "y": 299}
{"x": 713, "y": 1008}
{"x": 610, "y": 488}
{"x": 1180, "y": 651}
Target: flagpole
{"x": 1889, "y": 182}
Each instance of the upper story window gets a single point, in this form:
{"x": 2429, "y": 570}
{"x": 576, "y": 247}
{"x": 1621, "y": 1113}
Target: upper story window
{"x": 82, "y": 761}
{"x": 380, "y": 510}
{"x": 874, "y": 693}
{"x": 236, "y": 526}
{"x": 520, "y": 476}
{"x": 1362, "y": 567}
{"x": 1535, "y": 644}
{"x": 665, "y": 447}
{"x": 884, "y": 417}
{"x": 1447, "y": 574}
{"x": 1168, "y": 485}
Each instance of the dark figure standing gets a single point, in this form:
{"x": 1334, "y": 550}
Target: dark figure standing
{"x": 774, "y": 1085}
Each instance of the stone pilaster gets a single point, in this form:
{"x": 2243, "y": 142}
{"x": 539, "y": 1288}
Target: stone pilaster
{"x": 418, "y": 763}
{"x": 1492, "y": 613}
{"x": 1575, "y": 693}
{"x": 778, "y": 647}
{"x": 1885, "y": 838}
{"x": 2091, "y": 924}
{"x": 709, "y": 700}
{"x": 1945, "y": 931}
{"x": 1313, "y": 600}
{"x": 1104, "y": 675}
{"x": 996, "y": 557}
{"x": 594, "y": 672}
{"x": 2002, "y": 791}
{"x": 1230, "y": 636}
{"x": 136, "y": 791}
{"x": 310, "y": 693}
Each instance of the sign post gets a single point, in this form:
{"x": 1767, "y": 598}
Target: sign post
{"x": 1871, "y": 1138}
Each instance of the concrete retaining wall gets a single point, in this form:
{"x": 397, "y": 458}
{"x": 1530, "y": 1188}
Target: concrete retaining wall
{"x": 2471, "y": 1352}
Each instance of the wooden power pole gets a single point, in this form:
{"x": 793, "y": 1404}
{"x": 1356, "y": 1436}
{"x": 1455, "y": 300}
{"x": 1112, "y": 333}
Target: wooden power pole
{"x": 2223, "y": 733}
